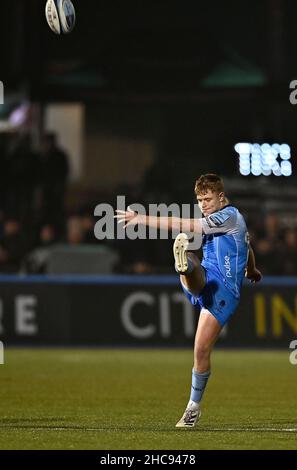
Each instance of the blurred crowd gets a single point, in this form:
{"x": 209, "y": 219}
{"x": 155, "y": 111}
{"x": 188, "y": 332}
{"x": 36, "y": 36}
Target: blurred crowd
{"x": 275, "y": 245}
{"x": 33, "y": 220}
{"x": 33, "y": 181}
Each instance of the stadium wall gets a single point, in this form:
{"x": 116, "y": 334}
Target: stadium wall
{"x": 136, "y": 311}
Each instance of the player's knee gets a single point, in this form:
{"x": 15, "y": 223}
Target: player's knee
{"x": 202, "y": 354}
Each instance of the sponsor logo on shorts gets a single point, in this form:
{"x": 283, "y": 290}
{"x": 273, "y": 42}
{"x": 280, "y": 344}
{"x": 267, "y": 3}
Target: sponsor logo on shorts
{"x": 227, "y": 266}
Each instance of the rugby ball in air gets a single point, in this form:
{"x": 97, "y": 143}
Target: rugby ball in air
{"x": 60, "y": 15}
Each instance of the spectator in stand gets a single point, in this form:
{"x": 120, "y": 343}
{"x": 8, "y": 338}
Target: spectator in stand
{"x": 88, "y": 223}
{"x": 36, "y": 261}
{"x": 4, "y": 187}
{"x": 74, "y": 231}
{"x": 289, "y": 253}
{"x": 55, "y": 171}
{"x": 268, "y": 245}
{"x": 12, "y": 247}
{"x": 23, "y": 171}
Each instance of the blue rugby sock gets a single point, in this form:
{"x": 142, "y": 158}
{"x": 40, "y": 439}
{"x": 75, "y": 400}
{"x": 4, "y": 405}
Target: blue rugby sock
{"x": 199, "y": 381}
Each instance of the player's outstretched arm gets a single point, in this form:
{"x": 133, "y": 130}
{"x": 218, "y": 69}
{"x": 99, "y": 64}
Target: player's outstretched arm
{"x": 130, "y": 217}
{"x": 251, "y": 271}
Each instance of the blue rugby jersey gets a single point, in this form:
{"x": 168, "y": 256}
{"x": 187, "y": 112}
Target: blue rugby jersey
{"x": 225, "y": 246}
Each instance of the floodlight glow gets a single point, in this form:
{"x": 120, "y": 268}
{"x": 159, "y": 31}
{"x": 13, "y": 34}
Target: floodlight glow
{"x": 265, "y": 148}
{"x": 266, "y": 172}
{"x": 242, "y": 147}
{"x": 285, "y": 152}
{"x": 286, "y": 168}
{"x": 245, "y": 172}
{"x": 256, "y": 165}
{"x": 256, "y": 171}
{"x": 263, "y": 159}
{"x": 244, "y": 167}
{"x": 256, "y": 149}
{"x": 274, "y": 151}
{"x": 277, "y": 171}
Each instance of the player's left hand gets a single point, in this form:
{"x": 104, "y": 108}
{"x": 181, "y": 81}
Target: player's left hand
{"x": 127, "y": 217}
{"x": 254, "y": 276}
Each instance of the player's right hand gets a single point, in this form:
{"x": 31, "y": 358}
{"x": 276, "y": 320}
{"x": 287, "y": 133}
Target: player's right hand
{"x": 128, "y": 217}
{"x": 254, "y": 276}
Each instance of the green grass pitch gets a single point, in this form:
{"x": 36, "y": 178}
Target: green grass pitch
{"x": 131, "y": 399}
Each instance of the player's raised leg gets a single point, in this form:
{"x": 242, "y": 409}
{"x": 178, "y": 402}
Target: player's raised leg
{"x": 188, "y": 265}
{"x": 207, "y": 333}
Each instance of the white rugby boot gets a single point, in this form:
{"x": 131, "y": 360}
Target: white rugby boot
{"x": 190, "y": 418}
{"x": 180, "y": 247}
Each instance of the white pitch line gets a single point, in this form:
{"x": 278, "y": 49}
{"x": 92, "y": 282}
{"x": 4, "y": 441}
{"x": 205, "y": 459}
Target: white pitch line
{"x": 251, "y": 429}
{"x": 197, "y": 429}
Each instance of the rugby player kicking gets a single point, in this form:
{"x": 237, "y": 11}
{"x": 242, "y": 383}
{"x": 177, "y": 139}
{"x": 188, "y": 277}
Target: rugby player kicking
{"x": 213, "y": 285}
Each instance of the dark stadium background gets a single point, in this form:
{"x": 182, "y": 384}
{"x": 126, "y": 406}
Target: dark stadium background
{"x": 142, "y": 98}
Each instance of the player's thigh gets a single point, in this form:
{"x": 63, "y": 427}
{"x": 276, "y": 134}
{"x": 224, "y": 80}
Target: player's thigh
{"x": 194, "y": 281}
{"x": 208, "y": 330}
